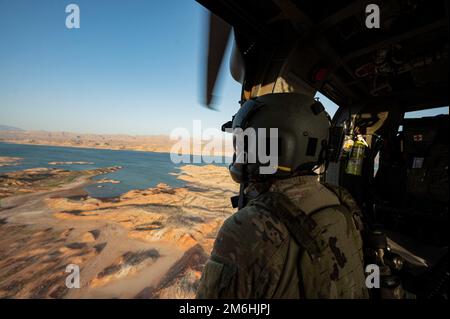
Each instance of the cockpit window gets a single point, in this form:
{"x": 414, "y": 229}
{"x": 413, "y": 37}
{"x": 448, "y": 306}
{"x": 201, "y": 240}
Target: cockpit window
{"x": 426, "y": 113}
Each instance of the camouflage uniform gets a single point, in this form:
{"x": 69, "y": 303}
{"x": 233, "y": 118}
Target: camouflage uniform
{"x": 256, "y": 256}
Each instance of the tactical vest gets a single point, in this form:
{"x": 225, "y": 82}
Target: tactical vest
{"x": 327, "y": 230}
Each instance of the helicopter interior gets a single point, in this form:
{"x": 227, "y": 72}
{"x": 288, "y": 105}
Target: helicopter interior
{"x": 375, "y": 76}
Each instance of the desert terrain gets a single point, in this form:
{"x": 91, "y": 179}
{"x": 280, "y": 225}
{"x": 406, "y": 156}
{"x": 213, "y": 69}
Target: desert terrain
{"x": 151, "y": 143}
{"x": 148, "y": 243}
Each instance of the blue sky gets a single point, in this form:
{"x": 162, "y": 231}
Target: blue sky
{"x": 134, "y": 67}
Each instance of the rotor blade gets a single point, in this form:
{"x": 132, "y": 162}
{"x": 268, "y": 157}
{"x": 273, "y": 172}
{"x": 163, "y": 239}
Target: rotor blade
{"x": 219, "y": 32}
{"x": 237, "y": 64}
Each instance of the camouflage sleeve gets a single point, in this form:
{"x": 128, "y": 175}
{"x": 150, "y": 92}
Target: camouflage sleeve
{"x": 241, "y": 256}
{"x": 218, "y": 280}
{"x": 220, "y": 277}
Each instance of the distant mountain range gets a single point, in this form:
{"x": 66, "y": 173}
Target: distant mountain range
{"x": 155, "y": 143}
{"x": 9, "y": 128}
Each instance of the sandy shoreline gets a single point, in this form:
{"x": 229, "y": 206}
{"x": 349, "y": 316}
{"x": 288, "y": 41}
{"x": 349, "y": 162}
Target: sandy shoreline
{"x": 144, "y": 244}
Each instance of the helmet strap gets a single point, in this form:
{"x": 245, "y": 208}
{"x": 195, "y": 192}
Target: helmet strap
{"x": 240, "y": 200}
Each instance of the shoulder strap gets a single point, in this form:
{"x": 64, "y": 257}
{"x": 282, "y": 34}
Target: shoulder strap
{"x": 302, "y": 228}
{"x": 348, "y": 202}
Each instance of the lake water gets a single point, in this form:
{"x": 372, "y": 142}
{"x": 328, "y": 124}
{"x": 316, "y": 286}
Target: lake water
{"x": 140, "y": 170}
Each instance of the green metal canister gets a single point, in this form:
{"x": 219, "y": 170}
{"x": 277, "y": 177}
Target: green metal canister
{"x": 356, "y": 159}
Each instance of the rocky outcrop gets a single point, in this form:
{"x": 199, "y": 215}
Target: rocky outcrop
{"x": 9, "y": 161}
{"x": 41, "y": 179}
{"x": 181, "y": 281}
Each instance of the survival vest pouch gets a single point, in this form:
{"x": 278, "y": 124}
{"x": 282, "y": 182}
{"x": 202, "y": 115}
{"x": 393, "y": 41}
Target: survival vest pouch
{"x": 300, "y": 225}
{"x": 308, "y": 235}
